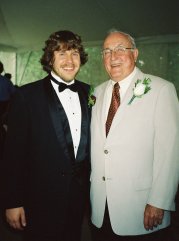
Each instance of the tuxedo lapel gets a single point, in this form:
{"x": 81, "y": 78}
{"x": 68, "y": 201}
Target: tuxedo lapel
{"x": 85, "y": 118}
{"x": 59, "y": 120}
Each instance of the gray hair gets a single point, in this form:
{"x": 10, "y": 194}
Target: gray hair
{"x": 129, "y": 37}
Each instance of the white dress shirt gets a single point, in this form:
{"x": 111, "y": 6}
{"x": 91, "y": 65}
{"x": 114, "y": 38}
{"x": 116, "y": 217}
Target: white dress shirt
{"x": 124, "y": 84}
{"x": 71, "y": 104}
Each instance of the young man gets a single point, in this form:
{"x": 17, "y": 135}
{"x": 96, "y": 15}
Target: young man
{"x": 46, "y": 161}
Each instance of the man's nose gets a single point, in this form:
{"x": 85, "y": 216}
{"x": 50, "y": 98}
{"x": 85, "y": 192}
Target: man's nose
{"x": 113, "y": 54}
{"x": 69, "y": 58}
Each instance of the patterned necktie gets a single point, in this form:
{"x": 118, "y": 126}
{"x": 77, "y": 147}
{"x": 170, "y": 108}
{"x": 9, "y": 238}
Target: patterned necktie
{"x": 115, "y": 102}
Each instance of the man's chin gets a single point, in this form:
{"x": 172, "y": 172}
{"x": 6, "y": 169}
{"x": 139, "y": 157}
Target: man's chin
{"x": 68, "y": 80}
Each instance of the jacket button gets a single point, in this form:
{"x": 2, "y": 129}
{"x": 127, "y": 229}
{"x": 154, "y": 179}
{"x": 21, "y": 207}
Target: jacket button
{"x": 103, "y": 178}
{"x": 106, "y": 151}
{"x": 63, "y": 174}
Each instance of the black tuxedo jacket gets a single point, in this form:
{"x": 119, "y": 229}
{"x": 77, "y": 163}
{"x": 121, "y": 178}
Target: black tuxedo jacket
{"x": 39, "y": 162}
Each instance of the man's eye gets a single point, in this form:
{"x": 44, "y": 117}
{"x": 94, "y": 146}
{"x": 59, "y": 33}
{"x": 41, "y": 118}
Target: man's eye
{"x": 76, "y": 53}
{"x": 119, "y": 49}
{"x": 61, "y": 53}
{"x": 107, "y": 51}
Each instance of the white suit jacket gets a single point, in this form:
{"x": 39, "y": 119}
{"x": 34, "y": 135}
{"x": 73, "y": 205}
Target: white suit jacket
{"x": 138, "y": 163}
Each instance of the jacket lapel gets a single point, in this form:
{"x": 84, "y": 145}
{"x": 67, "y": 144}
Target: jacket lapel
{"x": 124, "y": 105}
{"x": 85, "y": 119}
{"x": 101, "y": 107}
{"x": 61, "y": 124}
{"x": 59, "y": 120}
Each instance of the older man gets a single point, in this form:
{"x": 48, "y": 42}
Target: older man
{"x": 135, "y": 154}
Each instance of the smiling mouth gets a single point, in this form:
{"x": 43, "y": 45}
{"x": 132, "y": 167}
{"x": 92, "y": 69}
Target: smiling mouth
{"x": 116, "y": 65}
{"x": 69, "y": 68}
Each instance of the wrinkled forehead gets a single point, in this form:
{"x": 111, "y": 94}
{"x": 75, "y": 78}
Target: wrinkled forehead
{"x": 115, "y": 39}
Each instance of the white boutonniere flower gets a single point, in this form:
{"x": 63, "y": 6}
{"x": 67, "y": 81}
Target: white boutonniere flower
{"x": 140, "y": 88}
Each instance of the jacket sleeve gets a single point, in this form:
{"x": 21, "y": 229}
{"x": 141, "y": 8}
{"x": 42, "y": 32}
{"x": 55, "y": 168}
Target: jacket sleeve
{"x": 166, "y": 149}
{"x": 13, "y": 166}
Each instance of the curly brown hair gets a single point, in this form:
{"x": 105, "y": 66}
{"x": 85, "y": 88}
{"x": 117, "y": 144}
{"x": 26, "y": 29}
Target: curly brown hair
{"x": 65, "y": 40}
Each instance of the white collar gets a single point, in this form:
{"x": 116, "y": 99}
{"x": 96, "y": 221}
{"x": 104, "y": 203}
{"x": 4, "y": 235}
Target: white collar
{"x": 60, "y": 80}
{"x": 126, "y": 81}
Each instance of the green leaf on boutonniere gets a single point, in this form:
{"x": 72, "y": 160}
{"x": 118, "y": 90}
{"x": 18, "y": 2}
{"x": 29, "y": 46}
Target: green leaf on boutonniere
{"x": 140, "y": 88}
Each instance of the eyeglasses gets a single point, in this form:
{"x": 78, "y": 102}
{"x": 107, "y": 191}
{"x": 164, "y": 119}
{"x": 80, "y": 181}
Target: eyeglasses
{"x": 118, "y": 50}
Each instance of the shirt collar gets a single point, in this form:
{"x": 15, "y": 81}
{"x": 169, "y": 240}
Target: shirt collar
{"x": 126, "y": 81}
{"x": 60, "y": 80}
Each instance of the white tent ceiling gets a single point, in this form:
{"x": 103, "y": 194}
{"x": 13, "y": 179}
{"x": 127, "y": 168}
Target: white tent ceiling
{"x": 27, "y": 24}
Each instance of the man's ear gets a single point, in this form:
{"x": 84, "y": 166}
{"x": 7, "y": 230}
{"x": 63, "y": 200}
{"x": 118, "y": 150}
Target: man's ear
{"x": 135, "y": 53}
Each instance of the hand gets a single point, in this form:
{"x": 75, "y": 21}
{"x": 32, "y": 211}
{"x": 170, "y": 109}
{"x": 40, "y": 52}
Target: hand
{"x": 152, "y": 217}
{"x": 16, "y": 218}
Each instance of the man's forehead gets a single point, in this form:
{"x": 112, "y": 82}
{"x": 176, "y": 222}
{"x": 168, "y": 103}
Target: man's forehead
{"x": 114, "y": 40}
{"x": 67, "y": 49}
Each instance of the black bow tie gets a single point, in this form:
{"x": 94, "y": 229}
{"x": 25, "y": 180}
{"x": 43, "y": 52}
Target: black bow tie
{"x": 62, "y": 86}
